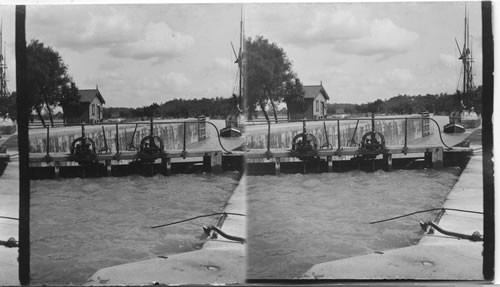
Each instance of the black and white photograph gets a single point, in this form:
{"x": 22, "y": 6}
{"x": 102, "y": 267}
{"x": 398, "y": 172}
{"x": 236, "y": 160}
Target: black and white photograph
{"x": 133, "y": 115}
{"x": 233, "y": 143}
{"x": 364, "y": 141}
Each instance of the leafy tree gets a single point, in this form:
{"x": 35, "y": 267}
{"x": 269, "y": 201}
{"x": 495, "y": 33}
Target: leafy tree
{"x": 8, "y": 105}
{"x": 294, "y": 97}
{"x": 49, "y": 82}
{"x": 268, "y": 71}
{"x": 69, "y": 100}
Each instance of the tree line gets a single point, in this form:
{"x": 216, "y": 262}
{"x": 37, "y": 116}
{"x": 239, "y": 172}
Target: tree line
{"x": 442, "y": 103}
{"x": 177, "y": 108}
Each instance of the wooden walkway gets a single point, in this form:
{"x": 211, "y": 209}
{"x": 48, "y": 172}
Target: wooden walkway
{"x": 433, "y": 154}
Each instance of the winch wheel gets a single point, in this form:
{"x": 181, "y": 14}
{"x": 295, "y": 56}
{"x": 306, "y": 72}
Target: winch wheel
{"x": 82, "y": 145}
{"x": 83, "y": 149}
{"x": 151, "y": 145}
{"x": 373, "y": 141}
{"x": 304, "y": 142}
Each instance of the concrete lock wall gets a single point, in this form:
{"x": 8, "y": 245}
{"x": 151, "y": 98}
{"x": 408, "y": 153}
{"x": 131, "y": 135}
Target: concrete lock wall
{"x": 60, "y": 139}
{"x": 392, "y": 129}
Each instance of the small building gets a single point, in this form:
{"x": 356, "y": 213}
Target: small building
{"x": 315, "y": 98}
{"x": 91, "y": 106}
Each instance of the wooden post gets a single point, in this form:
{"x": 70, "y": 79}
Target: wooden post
{"x": 277, "y": 166}
{"x": 388, "y": 162}
{"x": 428, "y": 159}
{"x": 330, "y": 163}
{"x": 23, "y": 103}
{"x": 108, "y": 167}
{"x": 216, "y": 162}
{"x": 437, "y": 158}
{"x": 168, "y": 166}
{"x": 56, "y": 169}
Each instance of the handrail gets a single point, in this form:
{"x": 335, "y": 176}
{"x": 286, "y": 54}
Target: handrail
{"x": 372, "y": 119}
{"x": 150, "y": 122}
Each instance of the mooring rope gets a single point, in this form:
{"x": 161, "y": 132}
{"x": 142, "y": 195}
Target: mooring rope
{"x": 475, "y": 236}
{"x": 6, "y": 217}
{"x": 422, "y": 211}
{"x": 209, "y": 229}
{"x": 199, "y": 216}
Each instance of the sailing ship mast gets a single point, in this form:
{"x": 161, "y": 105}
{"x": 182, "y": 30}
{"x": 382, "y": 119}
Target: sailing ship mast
{"x": 466, "y": 58}
{"x": 465, "y": 117}
{"x": 3, "y": 67}
{"x": 233, "y": 126}
{"x": 241, "y": 61}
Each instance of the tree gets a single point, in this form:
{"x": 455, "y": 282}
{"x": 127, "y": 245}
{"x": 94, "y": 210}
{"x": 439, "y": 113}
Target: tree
{"x": 294, "y": 97}
{"x": 69, "y": 99}
{"x": 268, "y": 71}
{"x": 48, "y": 78}
{"x": 8, "y": 105}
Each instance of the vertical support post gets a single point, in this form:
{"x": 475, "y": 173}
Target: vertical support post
{"x": 437, "y": 158}
{"x": 23, "y": 112}
{"x": 428, "y": 159}
{"x": 48, "y": 143}
{"x": 373, "y": 122}
{"x": 406, "y": 133}
{"x": 277, "y": 166}
{"x": 330, "y": 163}
{"x": 487, "y": 141}
{"x": 388, "y": 161}
{"x": 106, "y": 148}
{"x": 168, "y": 166}
{"x": 207, "y": 163}
{"x": 216, "y": 162}
{"x": 184, "y": 140}
{"x": 268, "y": 137}
{"x": 338, "y": 134}
{"x": 151, "y": 134}
{"x": 117, "y": 140}
{"x": 56, "y": 169}
{"x": 108, "y": 167}
{"x": 151, "y": 127}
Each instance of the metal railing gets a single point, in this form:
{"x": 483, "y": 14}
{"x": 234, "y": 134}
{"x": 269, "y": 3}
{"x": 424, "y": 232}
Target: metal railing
{"x": 107, "y": 149}
{"x": 423, "y": 118}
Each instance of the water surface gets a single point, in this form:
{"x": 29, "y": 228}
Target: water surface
{"x": 81, "y": 225}
{"x": 296, "y": 221}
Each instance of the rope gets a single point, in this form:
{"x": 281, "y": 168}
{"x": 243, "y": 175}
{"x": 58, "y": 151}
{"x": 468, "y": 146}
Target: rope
{"x": 223, "y": 234}
{"x": 440, "y": 136}
{"x": 6, "y": 217}
{"x": 476, "y": 236}
{"x": 199, "y": 216}
{"x": 422, "y": 211}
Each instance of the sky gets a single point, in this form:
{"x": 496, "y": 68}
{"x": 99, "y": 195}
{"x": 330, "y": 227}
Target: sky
{"x": 138, "y": 54}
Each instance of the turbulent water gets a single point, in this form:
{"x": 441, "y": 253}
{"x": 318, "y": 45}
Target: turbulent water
{"x": 296, "y": 221}
{"x": 81, "y": 225}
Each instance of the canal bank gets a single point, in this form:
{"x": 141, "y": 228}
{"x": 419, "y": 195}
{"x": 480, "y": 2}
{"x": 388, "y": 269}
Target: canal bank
{"x": 9, "y": 207}
{"x": 218, "y": 261}
{"x": 436, "y": 256}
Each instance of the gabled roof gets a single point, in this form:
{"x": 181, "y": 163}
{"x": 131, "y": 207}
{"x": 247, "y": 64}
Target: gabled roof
{"x": 312, "y": 91}
{"x": 86, "y": 96}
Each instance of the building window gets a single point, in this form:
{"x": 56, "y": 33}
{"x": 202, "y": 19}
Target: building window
{"x": 317, "y": 106}
{"x": 93, "y": 109}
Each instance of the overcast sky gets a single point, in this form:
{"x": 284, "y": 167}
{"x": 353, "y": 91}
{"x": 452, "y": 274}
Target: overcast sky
{"x": 140, "y": 54}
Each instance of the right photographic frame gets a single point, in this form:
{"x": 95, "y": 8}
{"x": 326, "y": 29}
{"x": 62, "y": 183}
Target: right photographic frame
{"x": 369, "y": 141}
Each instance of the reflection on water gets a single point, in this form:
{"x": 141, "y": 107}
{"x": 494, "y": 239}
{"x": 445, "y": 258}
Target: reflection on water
{"x": 296, "y": 221}
{"x": 81, "y": 225}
